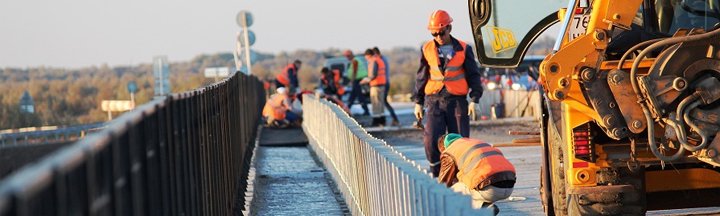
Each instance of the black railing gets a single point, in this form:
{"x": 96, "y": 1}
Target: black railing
{"x": 187, "y": 154}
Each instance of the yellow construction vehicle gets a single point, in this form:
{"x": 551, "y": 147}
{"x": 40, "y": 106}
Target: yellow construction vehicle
{"x": 631, "y": 92}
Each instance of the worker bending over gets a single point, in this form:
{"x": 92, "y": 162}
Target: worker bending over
{"x": 278, "y": 109}
{"x": 331, "y": 82}
{"x": 447, "y": 73}
{"x": 473, "y": 167}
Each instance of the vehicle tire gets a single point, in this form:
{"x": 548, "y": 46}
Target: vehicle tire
{"x": 559, "y": 198}
{"x": 545, "y": 182}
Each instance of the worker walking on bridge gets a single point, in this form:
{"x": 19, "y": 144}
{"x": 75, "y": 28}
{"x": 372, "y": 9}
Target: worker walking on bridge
{"x": 387, "y": 87}
{"x": 288, "y": 77}
{"x": 358, "y": 71}
{"x": 473, "y": 167}
{"x": 376, "y": 79}
{"x": 447, "y": 73}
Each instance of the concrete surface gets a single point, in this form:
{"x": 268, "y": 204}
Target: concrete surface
{"x": 293, "y": 136}
{"x": 288, "y": 181}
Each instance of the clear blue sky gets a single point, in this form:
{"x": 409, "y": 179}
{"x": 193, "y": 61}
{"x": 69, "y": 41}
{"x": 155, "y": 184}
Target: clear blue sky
{"x": 80, "y": 33}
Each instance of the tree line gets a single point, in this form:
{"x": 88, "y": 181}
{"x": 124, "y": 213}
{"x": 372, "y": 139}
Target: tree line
{"x": 66, "y": 97}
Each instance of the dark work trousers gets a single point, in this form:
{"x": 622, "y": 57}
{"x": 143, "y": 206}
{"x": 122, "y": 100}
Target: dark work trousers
{"x": 387, "y": 104}
{"x": 444, "y": 116}
{"x": 278, "y": 85}
{"x": 357, "y": 92}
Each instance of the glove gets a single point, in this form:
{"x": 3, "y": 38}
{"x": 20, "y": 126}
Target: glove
{"x": 418, "y": 112}
{"x": 471, "y": 109}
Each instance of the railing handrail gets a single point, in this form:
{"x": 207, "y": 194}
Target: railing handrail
{"x": 374, "y": 178}
{"x": 197, "y": 141}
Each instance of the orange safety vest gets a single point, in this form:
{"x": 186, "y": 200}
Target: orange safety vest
{"x": 284, "y": 76}
{"x": 275, "y": 107}
{"x": 477, "y": 161}
{"x": 338, "y": 83}
{"x": 454, "y": 77}
{"x": 379, "y": 75}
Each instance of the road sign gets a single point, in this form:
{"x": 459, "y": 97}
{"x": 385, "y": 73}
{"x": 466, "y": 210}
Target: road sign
{"x": 253, "y": 56}
{"x": 251, "y": 37}
{"x": 213, "y": 72}
{"x": 132, "y": 87}
{"x": 244, "y": 19}
{"x": 161, "y": 71}
{"x": 117, "y": 105}
{"x": 165, "y": 87}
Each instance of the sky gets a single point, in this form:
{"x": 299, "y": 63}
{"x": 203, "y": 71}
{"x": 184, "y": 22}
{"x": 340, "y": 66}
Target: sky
{"x": 82, "y": 33}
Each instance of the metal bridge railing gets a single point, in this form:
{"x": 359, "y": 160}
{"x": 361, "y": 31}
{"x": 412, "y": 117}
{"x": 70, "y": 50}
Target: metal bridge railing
{"x": 186, "y": 154}
{"x": 54, "y": 135}
{"x": 374, "y": 178}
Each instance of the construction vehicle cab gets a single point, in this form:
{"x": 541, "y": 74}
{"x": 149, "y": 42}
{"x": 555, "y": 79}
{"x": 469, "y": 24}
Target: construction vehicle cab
{"x": 631, "y": 91}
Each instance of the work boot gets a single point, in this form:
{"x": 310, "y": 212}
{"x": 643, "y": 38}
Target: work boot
{"x": 381, "y": 121}
{"x": 491, "y": 206}
{"x": 375, "y": 122}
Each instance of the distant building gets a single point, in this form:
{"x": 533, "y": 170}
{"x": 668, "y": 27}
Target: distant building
{"x": 27, "y": 104}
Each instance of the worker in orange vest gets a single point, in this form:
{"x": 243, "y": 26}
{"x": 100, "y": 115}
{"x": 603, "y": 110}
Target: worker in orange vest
{"x": 390, "y": 109}
{"x": 288, "y": 77}
{"x": 278, "y": 109}
{"x": 473, "y": 167}
{"x": 447, "y": 73}
{"x": 376, "y": 79}
{"x": 331, "y": 83}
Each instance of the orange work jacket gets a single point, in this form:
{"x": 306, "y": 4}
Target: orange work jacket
{"x": 337, "y": 81}
{"x": 478, "y": 163}
{"x": 284, "y": 76}
{"x": 379, "y": 75}
{"x": 275, "y": 107}
{"x": 454, "y": 77}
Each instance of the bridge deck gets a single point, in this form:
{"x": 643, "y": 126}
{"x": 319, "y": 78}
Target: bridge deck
{"x": 288, "y": 180}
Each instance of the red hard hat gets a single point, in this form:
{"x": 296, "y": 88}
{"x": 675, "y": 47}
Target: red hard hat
{"x": 438, "y": 20}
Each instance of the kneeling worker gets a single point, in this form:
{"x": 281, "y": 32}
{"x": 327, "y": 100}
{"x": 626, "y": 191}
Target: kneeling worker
{"x": 473, "y": 167}
{"x": 278, "y": 109}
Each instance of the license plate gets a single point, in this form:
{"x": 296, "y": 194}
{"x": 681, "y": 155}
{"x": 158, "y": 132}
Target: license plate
{"x": 578, "y": 25}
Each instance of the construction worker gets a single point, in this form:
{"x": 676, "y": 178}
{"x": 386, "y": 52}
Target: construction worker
{"x": 358, "y": 71}
{"x": 447, "y": 73}
{"x": 288, "y": 77}
{"x": 278, "y": 109}
{"x": 473, "y": 167}
{"x": 320, "y": 94}
{"x": 387, "y": 87}
{"x": 376, "y": 79}
{"x": 331, "y": 83}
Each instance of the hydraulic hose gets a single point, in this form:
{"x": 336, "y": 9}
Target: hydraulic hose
{"x": 662, "y": 43}
{"x": 703, "y": 135}
{"x": 636, "y": 47}
{"x": 636, "y": 88}
{"x": 653, "y": 144}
